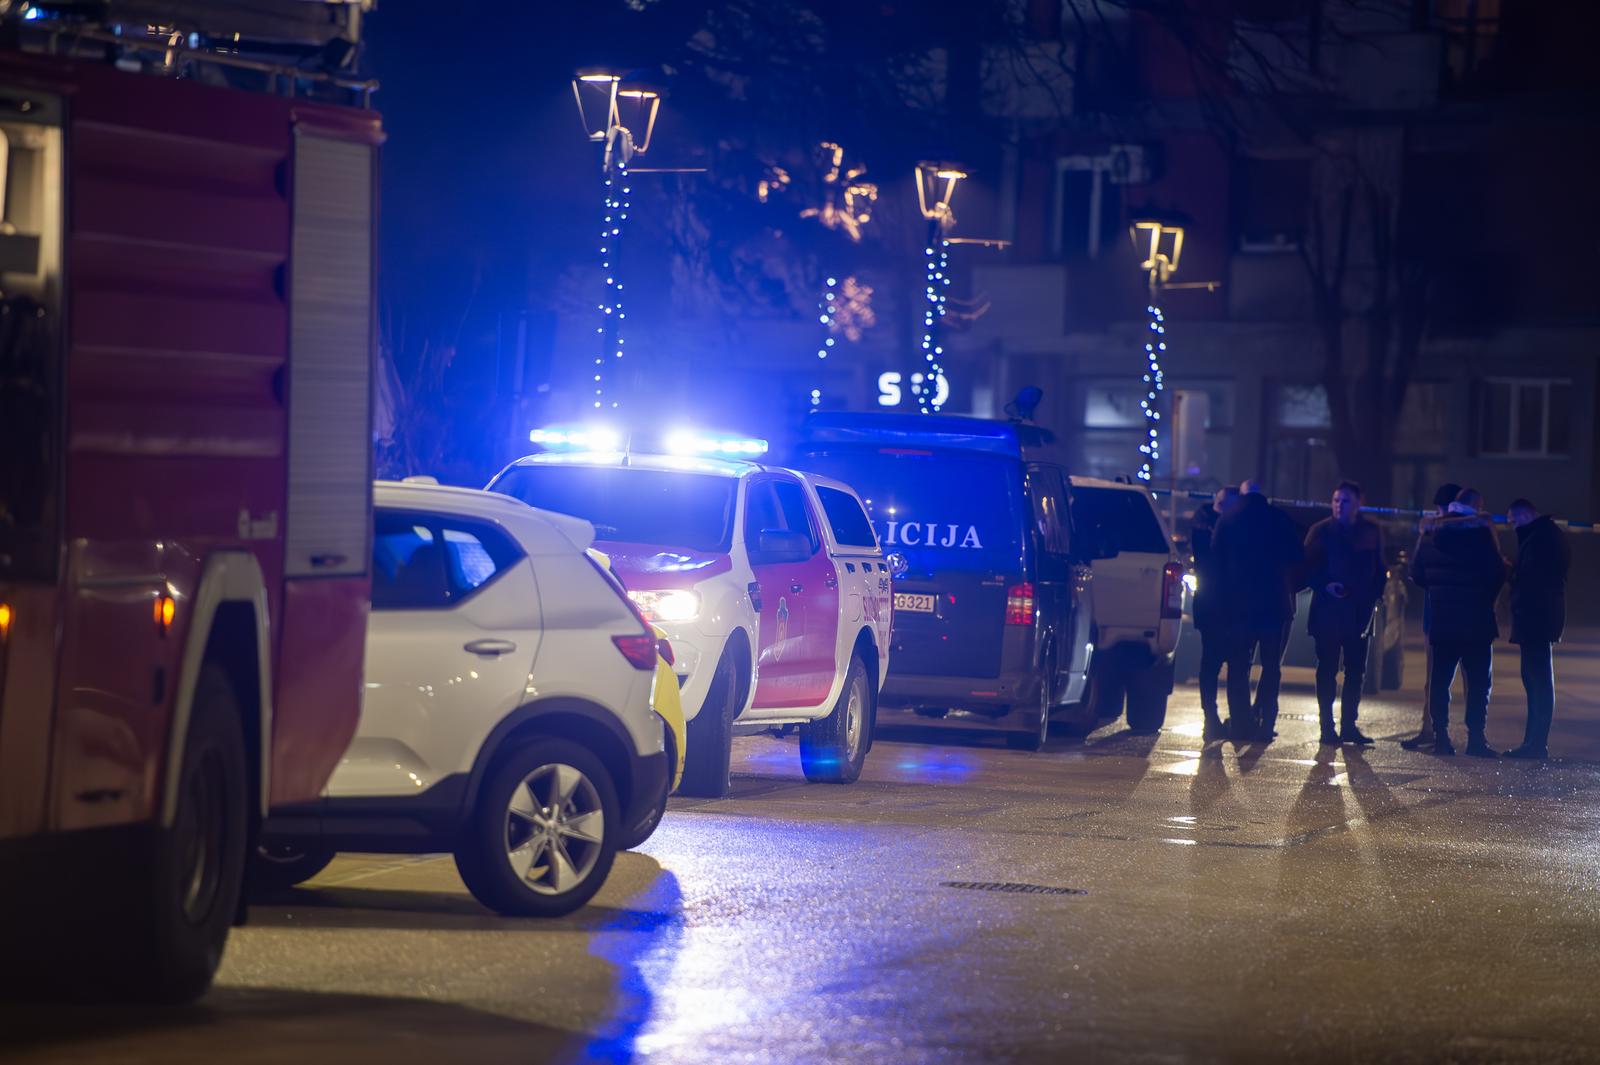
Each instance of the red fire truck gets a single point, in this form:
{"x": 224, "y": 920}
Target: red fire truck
{"x": 186, "y": 332}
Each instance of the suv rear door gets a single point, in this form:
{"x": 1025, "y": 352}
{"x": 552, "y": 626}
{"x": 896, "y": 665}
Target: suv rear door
{"x": 1061, "y": 582}
{"x": 1127, "y": 586}
{"x": 456, "y": 625}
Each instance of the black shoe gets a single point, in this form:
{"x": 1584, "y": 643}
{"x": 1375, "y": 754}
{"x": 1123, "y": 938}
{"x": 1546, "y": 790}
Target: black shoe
{"x": 1351, "y": 734}
{"x": 1265, "y": 734}
{"x": 1238, "y": 731}
{"x": 1417, "y": 742}
{"x": 1214, "y": 730}
{"x": 1442, "y": 745}
{"x": 1535, "y": 754}
{"x": 1330, "y": 738}
{"x": 1479, "y": 747}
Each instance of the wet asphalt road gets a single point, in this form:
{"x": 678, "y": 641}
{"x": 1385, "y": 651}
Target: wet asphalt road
{"x": 1250, "y": 903}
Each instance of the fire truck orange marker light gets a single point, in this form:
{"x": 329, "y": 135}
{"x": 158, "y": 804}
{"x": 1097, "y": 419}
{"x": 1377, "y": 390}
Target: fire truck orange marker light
{"x": 5, "y": 620}
{"x": 165, "y": 609}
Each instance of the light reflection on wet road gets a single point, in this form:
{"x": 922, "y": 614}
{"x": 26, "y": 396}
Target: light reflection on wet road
{"x": 1239, "y": 903}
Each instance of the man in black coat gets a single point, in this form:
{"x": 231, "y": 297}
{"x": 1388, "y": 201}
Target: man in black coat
{"x": 1258, "y": 554}
{"x": 1538, "y": 615}
{"x": 1442, "y": 498}
{"x": 1208, "y": 616}
{"x": 1344, "y": 567}
{"x": 1459, "y": 565}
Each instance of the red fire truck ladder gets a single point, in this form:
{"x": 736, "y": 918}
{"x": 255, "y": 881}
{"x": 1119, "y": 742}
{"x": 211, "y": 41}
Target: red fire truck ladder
{"x": 306, "y": 48}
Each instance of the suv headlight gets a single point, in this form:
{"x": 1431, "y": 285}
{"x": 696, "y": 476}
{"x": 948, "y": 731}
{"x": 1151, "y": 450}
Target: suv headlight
{"x": 673, "y": 605}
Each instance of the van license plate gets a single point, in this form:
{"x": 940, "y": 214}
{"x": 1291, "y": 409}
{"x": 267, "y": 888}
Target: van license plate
{"x": 917, "y": 604}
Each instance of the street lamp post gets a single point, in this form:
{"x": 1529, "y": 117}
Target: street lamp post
{"x": 1160, "y": 246}
{"x": 936, "y": 188}
{"x": 604, "y": 103}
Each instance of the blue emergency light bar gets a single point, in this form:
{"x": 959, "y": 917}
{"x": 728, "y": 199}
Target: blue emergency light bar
{"x": 722, "y": 445}
{"x": 577, "y": 438}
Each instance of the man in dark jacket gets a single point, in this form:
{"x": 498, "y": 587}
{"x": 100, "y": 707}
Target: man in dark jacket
{"x": 1258, "y": 554}
{"x": 1459, "y": 565}
{"x": 1344, "y": 567}
{"x": 1442, "y": 499}
{"x": 1208, "y": 619}
{"x": 1538, "y": 615}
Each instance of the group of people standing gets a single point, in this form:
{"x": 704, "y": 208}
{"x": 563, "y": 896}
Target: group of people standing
{"x": 1251, "y": 562}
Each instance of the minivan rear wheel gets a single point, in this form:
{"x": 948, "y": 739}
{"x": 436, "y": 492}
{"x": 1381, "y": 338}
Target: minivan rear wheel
{"x": 1036, "y": 731}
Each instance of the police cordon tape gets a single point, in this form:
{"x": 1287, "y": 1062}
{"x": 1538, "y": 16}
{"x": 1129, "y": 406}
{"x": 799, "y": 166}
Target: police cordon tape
{"x": 1393, "y": 512}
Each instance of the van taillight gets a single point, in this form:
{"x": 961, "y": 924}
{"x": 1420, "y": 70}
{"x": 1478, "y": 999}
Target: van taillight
{"x": 1172, "y": 591}
{"x": 1019, "y": 604}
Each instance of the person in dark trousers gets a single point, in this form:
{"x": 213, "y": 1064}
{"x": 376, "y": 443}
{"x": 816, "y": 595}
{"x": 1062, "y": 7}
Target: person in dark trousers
{"x": 1344, "y": 567}
{"x": 1538, "y": 615}
{"x": 1258, "y": 554}
{"x": 1424, "y": 738}
{"x": 1208, "y": 613}
{"x": 1458, "y": 563}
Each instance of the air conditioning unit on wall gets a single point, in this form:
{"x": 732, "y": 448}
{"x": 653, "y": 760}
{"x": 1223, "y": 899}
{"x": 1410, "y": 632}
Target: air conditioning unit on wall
{"x": 1128, "y": 165}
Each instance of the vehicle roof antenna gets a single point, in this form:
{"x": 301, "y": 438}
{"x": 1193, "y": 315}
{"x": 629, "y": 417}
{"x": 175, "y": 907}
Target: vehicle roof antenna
{"x": 1026, "y": 405}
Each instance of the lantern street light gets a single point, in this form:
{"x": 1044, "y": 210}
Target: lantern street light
{"x": 1159, "y": 245}
{"x": 936, "y": 189}
{"x": 604, "y": 102}
{"x": 613, "y": 114}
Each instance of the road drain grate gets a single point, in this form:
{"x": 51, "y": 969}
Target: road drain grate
{"x": 1012, "y": 889}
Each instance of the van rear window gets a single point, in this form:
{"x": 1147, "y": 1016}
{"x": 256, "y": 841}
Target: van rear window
{"x": 1126, "y": 519}
{"x": 949, "y": 510}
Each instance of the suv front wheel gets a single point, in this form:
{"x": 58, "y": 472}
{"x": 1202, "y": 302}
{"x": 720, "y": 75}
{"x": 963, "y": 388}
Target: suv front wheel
{"x": 708, "y": 748}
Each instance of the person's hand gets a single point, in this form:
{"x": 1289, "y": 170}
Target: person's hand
{"x": 1336, "y": 589}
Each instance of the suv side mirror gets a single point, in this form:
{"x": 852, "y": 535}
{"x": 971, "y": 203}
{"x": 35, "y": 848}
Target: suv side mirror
{"x": 778, "y": 546}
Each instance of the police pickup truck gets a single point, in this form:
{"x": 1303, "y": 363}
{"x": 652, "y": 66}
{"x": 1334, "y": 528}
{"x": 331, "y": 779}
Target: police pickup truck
{"x": 769, "y": 584}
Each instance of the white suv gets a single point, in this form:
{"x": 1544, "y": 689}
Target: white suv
{"x": 769, "y": 584}
{"x": 506, "y": 716}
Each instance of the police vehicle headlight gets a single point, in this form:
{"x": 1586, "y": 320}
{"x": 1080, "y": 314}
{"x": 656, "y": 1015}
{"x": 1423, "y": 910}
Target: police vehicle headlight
{"x": 674, "y": 605}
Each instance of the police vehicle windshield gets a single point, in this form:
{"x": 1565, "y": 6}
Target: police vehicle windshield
{"x": 628, "y": 505}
